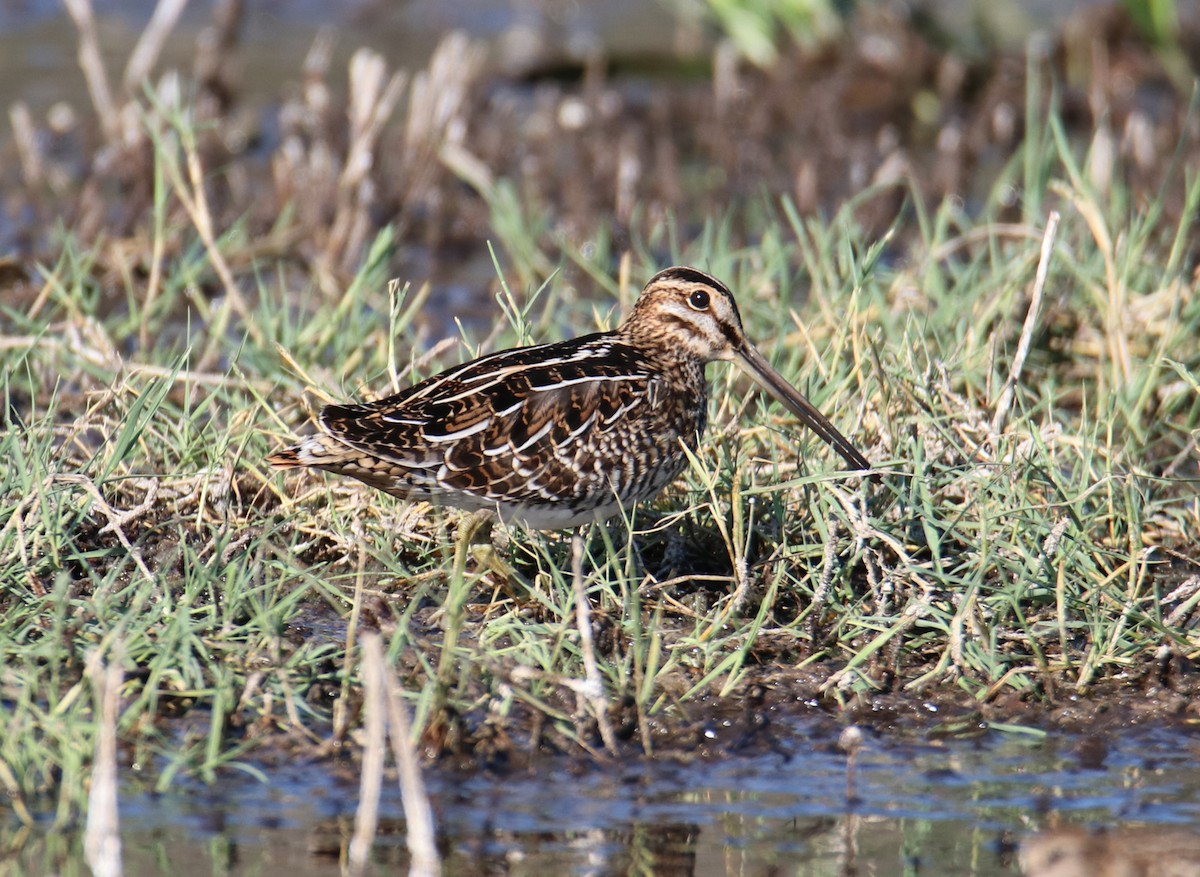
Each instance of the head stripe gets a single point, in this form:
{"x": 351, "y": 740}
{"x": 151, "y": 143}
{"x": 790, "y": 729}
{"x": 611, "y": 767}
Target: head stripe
{"x": 690, "y": 275}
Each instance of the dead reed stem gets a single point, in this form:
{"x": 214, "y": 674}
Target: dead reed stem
{"x": 418, "y": 811}
{"x": 149, "y": 46}
{"x": 371, "y": 106}
{"x": 1003, "y": 406}
{"x": 387, "y": 718}
{"x": 102, "y": 839}
{"x": 366, "y": 817}
{"x": 594, "y": 688}
{"x": 92, "y": 64}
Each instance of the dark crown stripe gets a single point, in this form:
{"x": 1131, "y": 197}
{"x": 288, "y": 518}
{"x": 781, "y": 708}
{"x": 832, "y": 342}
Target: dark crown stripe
{"x": 690, "y": 275}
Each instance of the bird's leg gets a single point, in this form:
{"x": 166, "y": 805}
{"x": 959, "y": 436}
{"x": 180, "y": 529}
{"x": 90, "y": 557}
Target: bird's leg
{"x": 489, "y": 548}
{"x": 478, "y": 523}
{"x": 491, "y": 555}
{"x": 619, "y": 534}
{"x": 443, "y": 722}
{"x": 459, "y": 590}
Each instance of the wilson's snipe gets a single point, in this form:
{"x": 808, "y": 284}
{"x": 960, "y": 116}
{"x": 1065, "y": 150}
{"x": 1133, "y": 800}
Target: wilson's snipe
{"x": 559, "y": 434}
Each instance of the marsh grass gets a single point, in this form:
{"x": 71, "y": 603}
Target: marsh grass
{"x": 1027, "y": 554}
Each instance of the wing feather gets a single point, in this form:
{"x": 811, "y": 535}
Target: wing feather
{"x": 552, "y": 422}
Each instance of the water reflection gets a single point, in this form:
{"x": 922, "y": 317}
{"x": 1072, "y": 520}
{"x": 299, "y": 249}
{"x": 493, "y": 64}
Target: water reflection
{"x": 919, "y": 806}
{"x": 1144, "y": 852}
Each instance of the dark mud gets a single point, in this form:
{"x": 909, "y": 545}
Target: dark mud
{"x": 781, "y": 692}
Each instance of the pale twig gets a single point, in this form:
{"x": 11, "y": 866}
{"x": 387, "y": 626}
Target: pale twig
{"x": 1182, "y": 598}
{"x": 594, "y": 690}
{"x": 366, "y": 817}
{"x": 1000, "y": 419}
{"x": 386, "y": 718}
{"x": 25, "y": 138}
{"x": 92, "y": 65}
{"x": 151, "y": 42}
{"x": 101, "y": 839}
{"x": 418, "y": 811}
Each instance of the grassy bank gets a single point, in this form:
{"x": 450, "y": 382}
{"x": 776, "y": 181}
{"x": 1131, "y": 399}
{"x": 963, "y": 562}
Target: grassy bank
{"x": 1028, "y": 386}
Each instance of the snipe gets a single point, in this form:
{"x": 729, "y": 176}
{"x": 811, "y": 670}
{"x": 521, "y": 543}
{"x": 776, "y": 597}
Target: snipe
{"x": 557, "y": 435}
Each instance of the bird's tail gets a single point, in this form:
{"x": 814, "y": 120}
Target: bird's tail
{"x": 316, "y": 450}
{"x": 287, "y": 458}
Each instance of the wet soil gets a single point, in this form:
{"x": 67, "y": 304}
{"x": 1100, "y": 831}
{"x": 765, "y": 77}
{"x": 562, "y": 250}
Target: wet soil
{"x": 779, "y": 694}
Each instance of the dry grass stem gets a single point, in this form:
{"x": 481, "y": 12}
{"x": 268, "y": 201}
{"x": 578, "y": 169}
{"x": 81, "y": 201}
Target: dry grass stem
{"x": 375, "y": 707}
{"x": 25, "y": 138}
{"x": 1004, "y": 404}
{"x": 437, "y": 104}
{"x": 594, "y": 682}
{"x": 150, "y": 45}
{"x": 371, "y": 106}
{"x": 1115, "y": 306}
{"x": 196, "y": 204}
{"x": 92, "y": 64}
{"x": 418, "y": 811}
{"x": 102, "y": 839}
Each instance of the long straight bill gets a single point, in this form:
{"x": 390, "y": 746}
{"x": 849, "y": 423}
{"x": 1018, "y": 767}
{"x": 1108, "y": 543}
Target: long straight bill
{"x": 757, "y": 367}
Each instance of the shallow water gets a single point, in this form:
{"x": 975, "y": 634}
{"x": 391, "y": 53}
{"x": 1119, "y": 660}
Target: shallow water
{"x": 38, "y": 42}
{"x": 918, "y": 806}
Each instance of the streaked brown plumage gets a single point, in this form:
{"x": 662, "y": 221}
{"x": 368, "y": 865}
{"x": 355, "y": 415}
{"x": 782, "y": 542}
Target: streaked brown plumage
{"x": 556, "y": 435}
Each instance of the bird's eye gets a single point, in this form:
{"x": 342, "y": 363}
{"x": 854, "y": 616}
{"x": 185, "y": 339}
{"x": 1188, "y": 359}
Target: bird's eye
{"x": 698, "y": 299}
